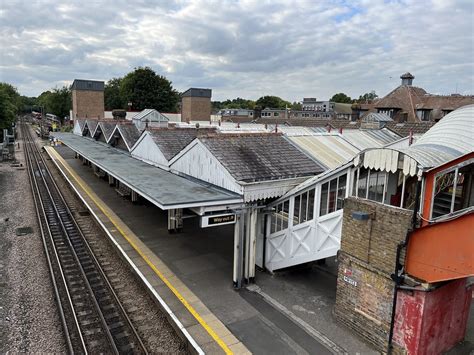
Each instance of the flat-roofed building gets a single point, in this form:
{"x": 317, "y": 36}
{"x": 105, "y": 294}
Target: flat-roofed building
{"x": 196, "y": 105}
{"x": 87, "y": 99}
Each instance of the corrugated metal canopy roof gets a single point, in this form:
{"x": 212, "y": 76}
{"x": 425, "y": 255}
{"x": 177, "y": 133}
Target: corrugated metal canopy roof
{"x": 373, "y": 138}
{"x": 330, "y": 150}
{"x": 451, "y": 138}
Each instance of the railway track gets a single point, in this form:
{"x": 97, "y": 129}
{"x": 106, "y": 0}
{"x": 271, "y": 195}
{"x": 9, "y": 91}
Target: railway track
{"x": 93, "y": 318}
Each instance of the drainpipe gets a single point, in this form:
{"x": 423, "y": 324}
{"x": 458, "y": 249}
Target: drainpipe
{"x": 398, "y": 266}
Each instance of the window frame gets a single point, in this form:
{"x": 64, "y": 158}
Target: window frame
{"x": 454, "y": 169}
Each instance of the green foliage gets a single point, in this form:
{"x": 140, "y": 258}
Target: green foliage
{"x": 112, "y": 96}
{"x": 145, "y": 89}
{"x": 296, "y": 106}
{"x": 272, "y": 102}
{"x": 234, "y": 103}
{"x": 27, "y": 104}
{"x": 367, "y": 97}
{"x": 58, "y": 102}
{"x": 9, "y": 105}
{"x": 341, "y": 98}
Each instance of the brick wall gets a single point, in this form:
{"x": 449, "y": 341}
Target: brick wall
{"x": 195, "y": 108}
{"x": 364, "y": 295}
{"x": 88, "y": 104}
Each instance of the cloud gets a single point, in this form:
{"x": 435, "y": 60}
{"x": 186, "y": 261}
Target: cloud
{"x": 242, "y": 48}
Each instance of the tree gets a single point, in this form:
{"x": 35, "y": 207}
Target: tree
{"x": 145, "y": 89}
{"x": 367, "y": 97}
{"x": 341, "y": 98}
{"x": 272, "y": 102}
{"x": 296, "y": 106}
{"x": 27, "y": 104}
{"x": 233, "y": 104}
{"x": 9, "y": 104}
{"x": 112, "y": 96}
{"x": 57, "y": 101}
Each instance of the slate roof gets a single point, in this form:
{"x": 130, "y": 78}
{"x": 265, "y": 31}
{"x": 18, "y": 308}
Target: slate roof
{"x": 130, "y": 133}
{"x": 172, "y": 141}
{"x": 260, "y": 157}
{"x": 107, "y": 127}
{"x": 92, "y": 124}
{"x": 403, "y": 129}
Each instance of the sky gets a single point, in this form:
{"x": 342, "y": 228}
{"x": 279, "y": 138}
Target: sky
{"x": 248, "y": 48}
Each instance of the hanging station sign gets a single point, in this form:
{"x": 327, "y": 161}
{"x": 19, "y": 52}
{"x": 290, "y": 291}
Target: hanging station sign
{"x": 217, "y": 220}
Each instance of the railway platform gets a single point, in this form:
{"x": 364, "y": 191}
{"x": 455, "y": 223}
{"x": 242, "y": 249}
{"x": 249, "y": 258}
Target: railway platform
{"x": 189, "y": 272}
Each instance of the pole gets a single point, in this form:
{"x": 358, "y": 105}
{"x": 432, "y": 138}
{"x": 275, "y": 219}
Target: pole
{"x": 240, "y": 261}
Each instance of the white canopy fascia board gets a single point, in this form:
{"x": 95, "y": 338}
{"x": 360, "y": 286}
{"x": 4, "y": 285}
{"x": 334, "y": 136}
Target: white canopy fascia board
{"x": 117, "y": 127}
{"x": 269, "y": 188}
{"x": 142, "y": 136}
{"x": 227, "y": 174}
{"x": 184, "y": 151}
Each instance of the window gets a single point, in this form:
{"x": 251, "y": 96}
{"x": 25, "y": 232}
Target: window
{"x": 279, "y": 217}
{"x": 304, "y": 207}
{"x": 276, "y": 113}
{"x": 332, "y": 195}
{"x": 362, "y": 183}
{"x": 376, "y": 185}
{"x": 424, "y": 115}
{"x": 453, "y": 191}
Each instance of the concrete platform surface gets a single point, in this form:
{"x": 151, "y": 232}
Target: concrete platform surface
{"x": 289, "y": 312}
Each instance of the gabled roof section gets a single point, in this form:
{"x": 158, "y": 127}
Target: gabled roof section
{"x": 82, "y": 124}
{"x": 107, "y": 128}
{"x": 129, "y": 133}
{"x": 172, "y": 141}
{"x": 405, "y": 98}
{"x": 260, "y": 157}
{"x": 92, "y": 125}
{"x": 151, "y": 115}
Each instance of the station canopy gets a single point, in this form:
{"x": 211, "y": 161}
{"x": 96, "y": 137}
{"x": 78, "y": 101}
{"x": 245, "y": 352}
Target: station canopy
{"x": 164, "y": 189}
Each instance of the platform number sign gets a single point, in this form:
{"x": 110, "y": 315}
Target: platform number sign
{"x": 217, "y": 220}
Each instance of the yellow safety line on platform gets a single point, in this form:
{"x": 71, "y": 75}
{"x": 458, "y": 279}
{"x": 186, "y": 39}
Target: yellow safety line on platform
{"x": 190, "y": 308}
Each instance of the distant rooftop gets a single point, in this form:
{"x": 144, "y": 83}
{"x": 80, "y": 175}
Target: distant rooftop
{"x": 197, "y": 92}
{"x": 87, "y": 85}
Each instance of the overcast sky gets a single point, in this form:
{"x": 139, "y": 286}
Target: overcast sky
{"x": 248, "y": 48}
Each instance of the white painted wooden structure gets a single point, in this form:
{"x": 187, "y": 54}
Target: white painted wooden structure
{"x": 197, "y": 161}
{"x": 147, "y": 150}
{"x": 306, "y": 229}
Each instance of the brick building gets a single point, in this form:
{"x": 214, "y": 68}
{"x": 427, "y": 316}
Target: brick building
{"x": 366, "y": 261}
{"x": 408, "y": 103}
{"x": 87, "y": 99}
{"x": 196, "y": 105}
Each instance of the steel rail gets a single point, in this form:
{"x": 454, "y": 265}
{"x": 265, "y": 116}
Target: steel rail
{"x": 62, "y": 209}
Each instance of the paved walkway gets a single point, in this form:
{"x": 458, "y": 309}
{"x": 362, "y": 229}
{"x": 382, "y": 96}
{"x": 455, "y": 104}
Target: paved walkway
{"x": 287, "y": 313}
